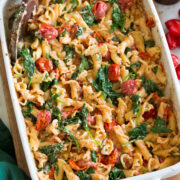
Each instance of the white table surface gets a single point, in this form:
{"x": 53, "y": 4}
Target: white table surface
{"x": 165, "y": 13}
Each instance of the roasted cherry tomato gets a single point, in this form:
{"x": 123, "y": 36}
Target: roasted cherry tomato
{"x": 107, "y": 56}
{"x": 150, "y": 114}
{"x": 75, "y": 166}
{"x": 172, "y": 40}
{"x": 113, "y": 72}
{"x": 129, "y": 87}
{"x": 63, "y": 27}
{"x": 144, "y": 55}
{"x": 99, "y": 10}
{"x": 112, "y": 159}
{"x": 110, "y": 126}
{"x": 91, "y": 119}
{"x": 175, "y": 29}
{"x": 48, "y": 32}
{"x": 126, "y": 4}
{"x": 178, "y": 71}
{"x": 44, "y": 64}
{"x": 43, "y": 119}
{"x": 86, "y": 164}
{"x": 150, "y": 22}
{"x": 74, "y": 30}
{"x": 175, "y": 60}
{"x": 51, "y": 173}
{"x": 170, "y": 22}
{"x": 57, "y": 73}
{"x": 98, "y": 37}
{"x": 69, "y": 112}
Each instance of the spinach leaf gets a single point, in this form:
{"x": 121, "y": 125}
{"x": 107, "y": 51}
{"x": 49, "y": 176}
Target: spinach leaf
{"x": 74, "y": 5}
{"x": 28, "y": 62}
{"x": 139, "y": 132}
{"x": 115, "y": 1}
{"x": 27, "y": 111}
{"x": 59, "y": 1}
{"x": 102, "y": 83}
{"x": 51, "y": 151}
{"x": 150, "y": 86}
{"x": 63, "y": 33}
{"x": 135, "y": 99}
{"x": 127, "y": 50}
{"x": 118, "y": 18}
{"x": 50, "y": 103}
{"x": 85, "y": 64}
{"x": 113, "y": 27}
{"x": 45, "y": 85}
{"x": 79, "y": 31}
{"x": 149, "y": 43}
{"x": 87, "y": 15}
{"x": 155, "y": 69}
{"x": 86, "y": 175}
{"x": 160, "y": 126}
{"x": 56, "y": 113}
{"x": 116, "y": 39}
{"x": 93, "y": 156}
{"x": 65, "y": 130}
{"x": 116, "y": 173}
{"x": 55, "y": 62}
{"x": 133, "y": 68}
{"x": 69, "y": 52}
{"x": 90, "y": 171}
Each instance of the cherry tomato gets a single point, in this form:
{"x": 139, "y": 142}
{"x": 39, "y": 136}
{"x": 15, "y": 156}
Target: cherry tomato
{"x": 144, "y": 55}
{"x": 63, "y": 27}
{"x": 51, "y": 173}
{"x": 150, "y": 22}
{"x": 175, "y": 29}
{"x": 175, "y": 60}
{"x": 91, "y": 119}
{"x": 110, "y": 126}
{"x": 69, "y": 112}
{"x": 113, "y": 72}
{"x": 57, "y": 73}
{"x": 112, "y": 159}
{"x": 126, "y": 4}
{"x": 107, "y": 56}
{"x": 44, "y": 64}
{"x": 48, "y": 32}
{"x": 86, "y": 164}
{"x": 74, "y": 165}
{"x": 150, "y": 114}
{"x": 178, "y": 71}
{"x": 99, "y": 10}
{"x": 129, "y": 87}
{"x": 178, "y": 41}
{"x": 74, "y": 30}
{"x": 170, "y": 22}
{"x": 43, "y": 119}
{"x": 98, "y": 37}
{"x": 171, "y": 40}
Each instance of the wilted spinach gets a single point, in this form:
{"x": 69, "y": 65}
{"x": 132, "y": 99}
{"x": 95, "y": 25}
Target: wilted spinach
{"x": 116, "y": 173}
{"x": 87, "y": 15}
{"x": 45, "y": 85}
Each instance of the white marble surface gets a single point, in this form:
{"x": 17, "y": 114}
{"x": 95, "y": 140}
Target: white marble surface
{"x": 165, "y": 13}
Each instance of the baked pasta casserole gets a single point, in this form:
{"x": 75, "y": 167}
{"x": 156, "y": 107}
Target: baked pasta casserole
{"x": 90, "y": 82}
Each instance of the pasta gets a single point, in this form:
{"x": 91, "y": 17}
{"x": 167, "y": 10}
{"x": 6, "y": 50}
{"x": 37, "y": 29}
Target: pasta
{"x": 90, "y": 84}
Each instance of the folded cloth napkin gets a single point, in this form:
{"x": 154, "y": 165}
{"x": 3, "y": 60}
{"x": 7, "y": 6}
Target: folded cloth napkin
{"x": 8, "y": 166}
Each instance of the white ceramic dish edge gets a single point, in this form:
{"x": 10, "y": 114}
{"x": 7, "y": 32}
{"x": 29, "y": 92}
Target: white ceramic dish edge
{"x": 172, "y": 90}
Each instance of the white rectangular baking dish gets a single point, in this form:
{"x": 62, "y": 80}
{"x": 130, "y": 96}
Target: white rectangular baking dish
{"x": 172, "y": 89}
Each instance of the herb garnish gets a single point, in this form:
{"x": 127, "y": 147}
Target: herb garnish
{"x": 93, "y": 156}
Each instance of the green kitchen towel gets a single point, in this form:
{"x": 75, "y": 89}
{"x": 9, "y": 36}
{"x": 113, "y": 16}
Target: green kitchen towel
{"x": 8, "y": 166}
